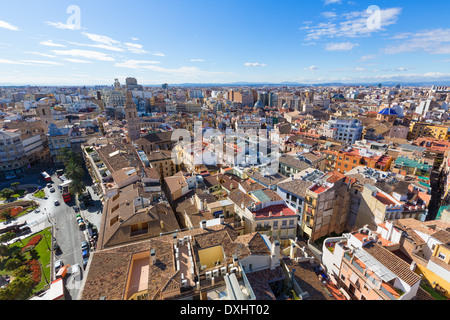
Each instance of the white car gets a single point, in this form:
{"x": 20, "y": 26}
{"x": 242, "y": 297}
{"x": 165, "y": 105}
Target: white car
{"x": 75, "y": 272}
{"x": 58, "y": 265}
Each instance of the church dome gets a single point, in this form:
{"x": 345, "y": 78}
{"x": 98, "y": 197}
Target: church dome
{"x": 388, "y": 112}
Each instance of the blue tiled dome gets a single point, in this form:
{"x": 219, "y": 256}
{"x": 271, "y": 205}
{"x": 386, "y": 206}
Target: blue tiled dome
{"x": 389, "y": 112}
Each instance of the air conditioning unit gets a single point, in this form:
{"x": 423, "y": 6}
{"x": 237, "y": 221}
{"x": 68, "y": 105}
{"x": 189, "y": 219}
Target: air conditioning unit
{"x": 208, "y": 275}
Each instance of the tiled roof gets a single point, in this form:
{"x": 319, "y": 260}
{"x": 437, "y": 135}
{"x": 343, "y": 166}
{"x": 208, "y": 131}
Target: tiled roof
{"x": 395, "y": 264}
{"x": 260, "y": 280}
{"x": 297, "y": 187}
{"x": 293, "y": 162}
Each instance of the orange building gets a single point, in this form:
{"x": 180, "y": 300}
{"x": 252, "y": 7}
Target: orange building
{"x": 348, "y": 160}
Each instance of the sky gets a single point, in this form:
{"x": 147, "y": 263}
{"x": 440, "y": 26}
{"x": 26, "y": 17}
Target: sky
{"x": 73, "y": 42}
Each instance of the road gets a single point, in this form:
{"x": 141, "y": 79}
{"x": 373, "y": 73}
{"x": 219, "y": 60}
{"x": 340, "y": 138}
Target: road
{"x": 63, "y": 220}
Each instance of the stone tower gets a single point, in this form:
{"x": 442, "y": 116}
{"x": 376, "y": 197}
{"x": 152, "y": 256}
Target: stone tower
{"x": 133, "y": 126}
{"x": 44, "y": 112}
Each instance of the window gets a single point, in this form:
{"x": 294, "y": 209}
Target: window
{"x": 441, "y": 256}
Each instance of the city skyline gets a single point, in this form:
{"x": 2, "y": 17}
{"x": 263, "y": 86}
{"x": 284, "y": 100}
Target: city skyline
{"x": 82, "y": 43}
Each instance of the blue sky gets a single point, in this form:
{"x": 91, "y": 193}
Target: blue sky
{"x": 42, "y": 43}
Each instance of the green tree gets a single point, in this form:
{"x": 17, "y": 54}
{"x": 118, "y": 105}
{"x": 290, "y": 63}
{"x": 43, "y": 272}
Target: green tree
{"x": 12, "y": 264}
{"x": 6, "y": 215}
{"x": 21, "y": 272}
{"x": 74, "y": 171}
{"x": 4, "y": 251}
{"x": 7, "y": 236}
{"x": 15, "y": 185}
{"x": 77, "y": 187}
{"x": 19, "y": 289}
{"x": 7, "y": 193}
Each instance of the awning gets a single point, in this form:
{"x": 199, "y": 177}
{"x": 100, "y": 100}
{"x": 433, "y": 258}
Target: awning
{"x": 354, "y": 277}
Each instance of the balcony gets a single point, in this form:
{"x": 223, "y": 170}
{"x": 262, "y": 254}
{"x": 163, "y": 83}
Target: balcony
{"x": 263, "y": 228}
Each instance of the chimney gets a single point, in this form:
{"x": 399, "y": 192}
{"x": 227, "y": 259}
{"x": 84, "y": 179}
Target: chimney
{"x": 293, "y": 250}
{"x": 235, "y": 260}
{"x": 270, "y": 213}
{"x": 152, "y": 256}
{"x": 275, "y": 260}
{"x": 203, "y": 224}
{"x": 222, "y": 219}
{"x": 175, "y": 239}
{"x": 162, "y": 224}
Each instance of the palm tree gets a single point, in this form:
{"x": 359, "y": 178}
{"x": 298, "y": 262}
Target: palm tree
{"x": 77, "y": 187}
{"x": 74, "y": 171}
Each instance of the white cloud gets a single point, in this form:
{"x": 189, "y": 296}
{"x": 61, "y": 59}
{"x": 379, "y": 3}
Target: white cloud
{"x": 136, "y": 64}
{"x": 329, "y": 14}
{"x": 435, "y": 41}
{"x": 351, "y": 25}
{"x": 6, "y": 25}
{"x": 51, "y": 63}
{"x": 368, "y": 57}
{"x": 41, "y": 54}
{"x": 102, "y": 39}
{"x": 327, "y": 2}
{"x": 254, "y": 64}
{"x": 340, "y": 46}
{"x": 197, "y": 60}
{"x": 50, "y": 43}
{"x": 107, "y": 43}
{"x": 312, "y": 68}
{"x": 94, "y": 55}
{"x": 29, "y": 62}
{"x": 185, "y": 73}
{"x": 135, "y": 48}
{"x": 60, "y": 25}
{"x": 7, "y": 61}
{"x": 77, "y": 60}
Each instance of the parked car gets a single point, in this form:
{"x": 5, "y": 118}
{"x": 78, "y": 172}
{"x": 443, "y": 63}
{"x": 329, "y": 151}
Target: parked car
{"x": 85, "y": 253}
{"x": 58, "y": 265}
{"x": 49, "y": 185}
{"x": 84, "y": 245}
{"x": 23, "y": 230}
{"x": 76, "y": 209}
{"x": 75, "y": 272}
{"x": 52, "y": 190}
{"x": 85, "y": 262}
{"x": 56, "y": 248}
{"x": 57, "y": 203}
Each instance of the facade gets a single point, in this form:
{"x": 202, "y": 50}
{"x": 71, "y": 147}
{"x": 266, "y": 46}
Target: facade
{"x": 348, "y": 160}
{"x": 327, "y": 206}
{"x": 13, "y": 157}
{"x": 68, "y": 137}
{"x": 362, "y": 265}
{"x": 419, "y": 129}
{"x": 347, "y": 130}
{"x": 377, "y": 207}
